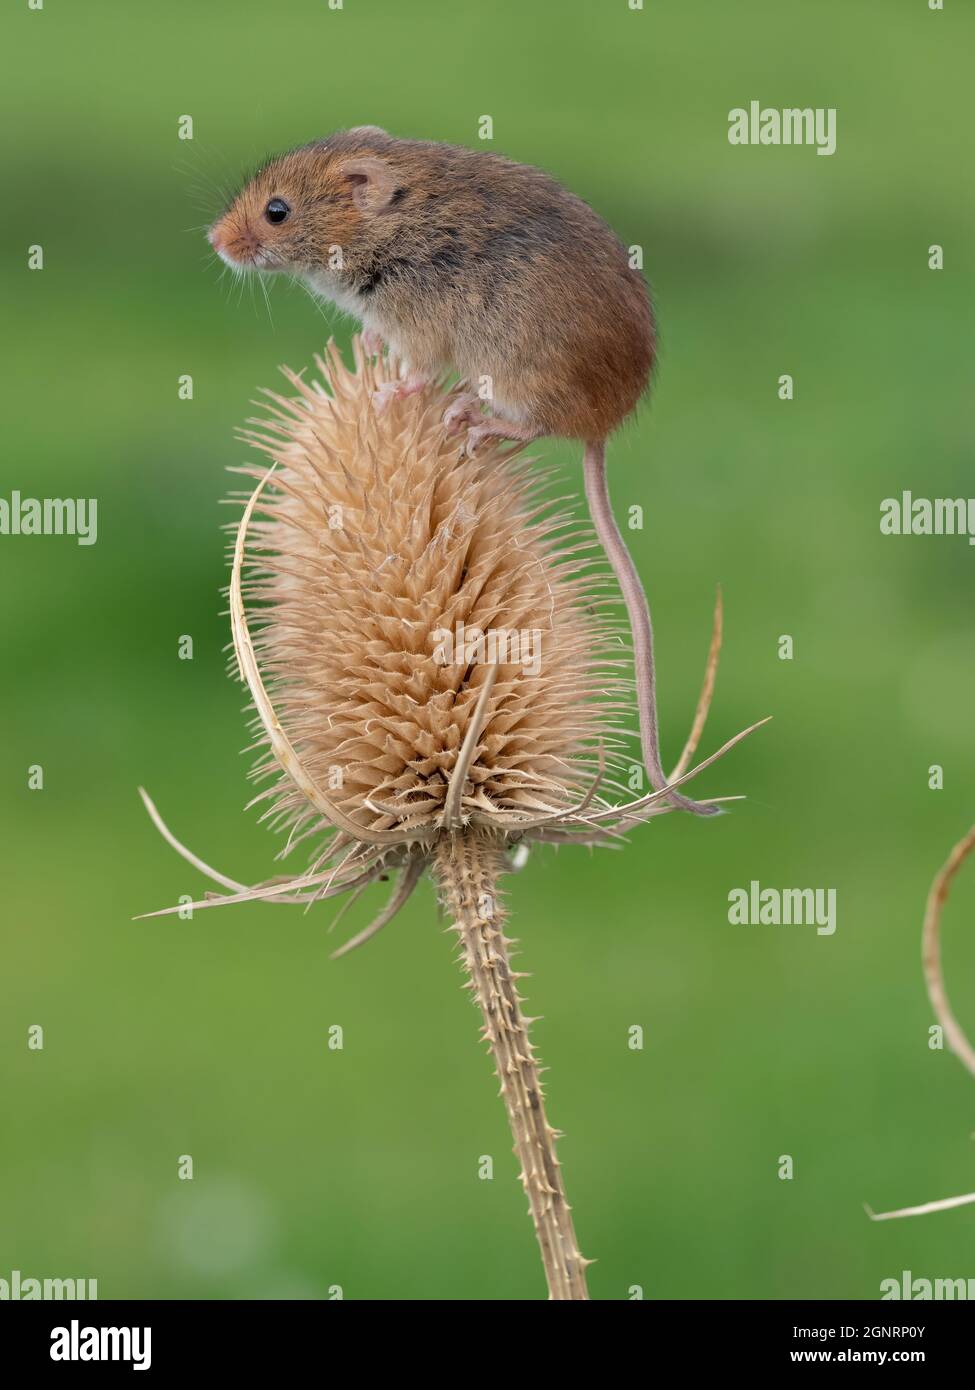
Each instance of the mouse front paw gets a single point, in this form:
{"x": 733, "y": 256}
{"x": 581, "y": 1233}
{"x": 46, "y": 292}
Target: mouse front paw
{"x": 397, "y": 391}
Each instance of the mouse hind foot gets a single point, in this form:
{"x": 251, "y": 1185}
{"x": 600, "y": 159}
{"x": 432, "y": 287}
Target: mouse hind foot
{"x": 463, "y": 412}
{"x": 494, "y": 427}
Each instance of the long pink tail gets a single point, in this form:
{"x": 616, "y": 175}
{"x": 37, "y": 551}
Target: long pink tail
{"x": 601, "y": 511}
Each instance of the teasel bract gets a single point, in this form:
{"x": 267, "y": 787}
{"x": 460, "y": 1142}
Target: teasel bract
{"x": 437, "y": 681}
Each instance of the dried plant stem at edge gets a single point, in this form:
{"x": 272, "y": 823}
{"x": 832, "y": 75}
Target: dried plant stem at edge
{"x": 931, "y": 953}
{"x": 467, "y": 865}
{"x": 938, "y": 995}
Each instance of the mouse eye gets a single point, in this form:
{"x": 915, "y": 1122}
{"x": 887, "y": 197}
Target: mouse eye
{"x": 277, "y": 210}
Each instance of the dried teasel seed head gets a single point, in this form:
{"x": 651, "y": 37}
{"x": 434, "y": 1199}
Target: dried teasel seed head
{"x": 431, "y": 635}
{"x": 428, "y": 643}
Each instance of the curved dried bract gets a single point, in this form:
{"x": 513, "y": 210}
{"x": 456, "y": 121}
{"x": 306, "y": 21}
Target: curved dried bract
{"x": 632, "y": 812}
{"x": 925, "y": 1209}
{"x": 455, "y": 791}
{"x": 707, "y": 691}
{"x": 411, "y": 876}
{"x": 272, "y": 892}
{"x": 283, "y": 882}
{"x": 277, "y": 738}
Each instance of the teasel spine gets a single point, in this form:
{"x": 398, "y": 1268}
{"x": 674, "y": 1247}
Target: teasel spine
{"x": 467, "y": 866}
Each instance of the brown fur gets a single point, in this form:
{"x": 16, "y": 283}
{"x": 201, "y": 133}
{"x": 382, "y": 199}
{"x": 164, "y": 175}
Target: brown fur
{"x": 461, "y": 259}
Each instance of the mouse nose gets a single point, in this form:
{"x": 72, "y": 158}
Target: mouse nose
{"x": 217, "y": 236}
{"x": 234, "y": 240}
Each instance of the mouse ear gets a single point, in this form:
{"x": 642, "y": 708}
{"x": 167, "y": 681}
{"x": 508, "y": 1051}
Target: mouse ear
{"x": 374, "y": 184}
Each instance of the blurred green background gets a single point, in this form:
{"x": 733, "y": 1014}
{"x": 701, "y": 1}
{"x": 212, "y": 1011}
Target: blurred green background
{"x": 358, "y": 1168}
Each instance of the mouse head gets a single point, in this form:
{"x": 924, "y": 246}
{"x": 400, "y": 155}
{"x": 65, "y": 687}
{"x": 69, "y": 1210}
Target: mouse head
{"x": 300, "y": 208}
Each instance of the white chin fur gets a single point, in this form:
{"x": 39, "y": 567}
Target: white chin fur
{"x": 258, "y": 262}
{"x": 328, "y": 286}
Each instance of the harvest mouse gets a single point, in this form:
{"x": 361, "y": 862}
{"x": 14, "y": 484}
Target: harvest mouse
{"x": 462, "y": 260}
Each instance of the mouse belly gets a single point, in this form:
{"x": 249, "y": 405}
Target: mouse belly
{"x": 559, "y": 408}
{"x": 582, "y": 390}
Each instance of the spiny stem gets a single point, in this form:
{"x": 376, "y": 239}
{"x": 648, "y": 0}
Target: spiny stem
{"x": 467, "y": 866}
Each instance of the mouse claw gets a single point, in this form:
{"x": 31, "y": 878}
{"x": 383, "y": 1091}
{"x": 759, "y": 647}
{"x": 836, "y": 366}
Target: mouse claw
{"x": 475, "y": 437}
{"x": 463, "y": 412}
